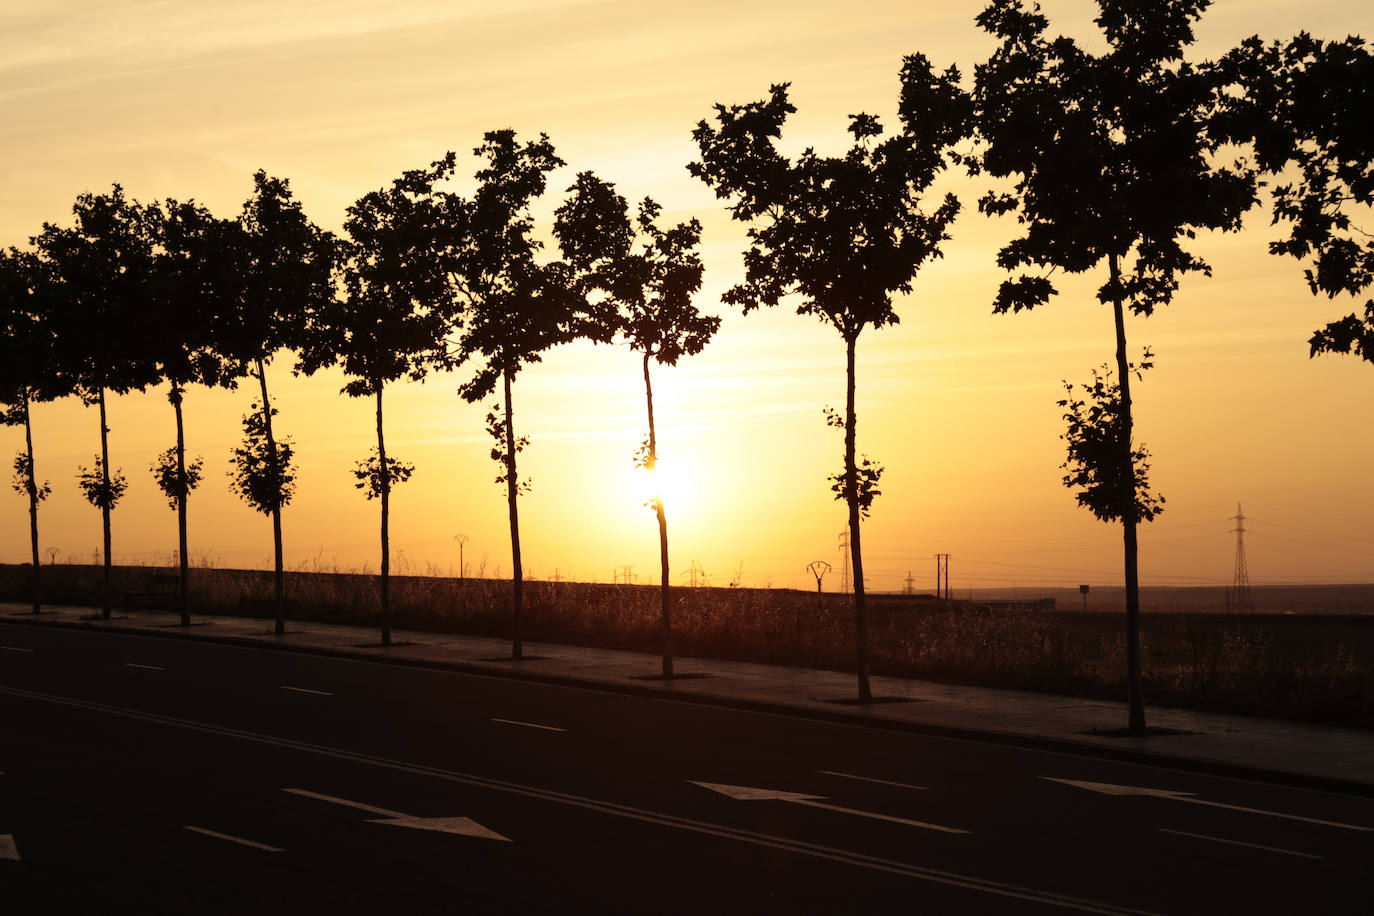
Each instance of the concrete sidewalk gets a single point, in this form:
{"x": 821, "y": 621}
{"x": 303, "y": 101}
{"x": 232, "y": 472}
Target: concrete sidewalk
{"x": 1320, "y": 757}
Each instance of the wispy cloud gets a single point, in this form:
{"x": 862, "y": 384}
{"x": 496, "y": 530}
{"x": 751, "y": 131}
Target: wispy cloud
{"x": 39, "y": 33}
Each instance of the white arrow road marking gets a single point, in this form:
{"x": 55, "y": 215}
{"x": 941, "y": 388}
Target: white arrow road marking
{"x": 547, "y": 728}
{"x": 1108, "y": 789}
{"x": 462, "y": 826}
{"x": 1217, "y": 839}
{"x": 318, "y": 693}
{"x": 232, "y": 839}
{"x": 144, "y": 667}
{"x": 745, "y": 793}
{"x": 881, "y": 782}
{"x": 7, "y": 848}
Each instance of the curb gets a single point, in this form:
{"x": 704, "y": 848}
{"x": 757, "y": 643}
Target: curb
{"x": 983, "y": 736}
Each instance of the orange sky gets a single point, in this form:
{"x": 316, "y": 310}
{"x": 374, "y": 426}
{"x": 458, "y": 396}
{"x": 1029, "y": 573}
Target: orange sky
{"x": 186, "y": 100}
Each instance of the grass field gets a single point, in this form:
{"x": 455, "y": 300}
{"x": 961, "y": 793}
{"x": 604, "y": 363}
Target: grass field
{"x": 1305, "y": 667}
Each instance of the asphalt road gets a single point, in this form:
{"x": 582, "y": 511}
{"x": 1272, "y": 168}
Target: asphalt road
{"x": 149, "y": 775}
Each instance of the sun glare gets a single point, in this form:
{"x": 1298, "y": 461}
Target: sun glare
{"x": 666, "y": 482}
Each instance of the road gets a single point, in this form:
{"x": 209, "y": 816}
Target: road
{"x": 167, "y": 776}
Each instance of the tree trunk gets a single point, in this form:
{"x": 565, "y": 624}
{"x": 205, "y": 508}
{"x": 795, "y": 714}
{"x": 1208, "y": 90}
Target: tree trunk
{"x": 386, "y": 515}
{"x": 662, "y": 528}
{"x": 851, "y": 477}
{"x": 1134, "y": 694}
{"x": 31, "y": 485}
{"x": 183, "y": 492}
{"x": 279, "y": 591}
{"x": 512, "y": 491}
{"x": 105, "y": 509}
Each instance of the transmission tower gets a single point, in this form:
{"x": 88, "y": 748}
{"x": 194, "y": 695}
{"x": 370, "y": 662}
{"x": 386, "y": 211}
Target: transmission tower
{"x": 908, "y": 584}
{"x": 942, "y": 569}
{"x": 844, "y": 561}
{"x": 1240, "y": 599}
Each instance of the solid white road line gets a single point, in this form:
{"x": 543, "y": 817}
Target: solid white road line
{"x": 795, "y": 847}
{"x": 881, "y": 782}
{"x": 1217, "y": 839}
{"x": 1106, "y": 788}
{"x": 318, "y": 693}
{"x": 547, "y": 728}
{"x": 749, "y": 793}
{"x": 144, "y": 667}
{"x": 232, "y": 839}
{"x": 16, "y": 649}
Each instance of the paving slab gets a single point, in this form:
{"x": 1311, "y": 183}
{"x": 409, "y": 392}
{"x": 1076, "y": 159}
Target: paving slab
{"x": 1321, "y": 757}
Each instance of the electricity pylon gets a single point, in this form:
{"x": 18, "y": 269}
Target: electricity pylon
{"x": 1241, "y": 598}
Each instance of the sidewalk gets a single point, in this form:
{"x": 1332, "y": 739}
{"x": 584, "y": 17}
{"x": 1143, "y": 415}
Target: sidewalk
{"x": 1315, "y": 756}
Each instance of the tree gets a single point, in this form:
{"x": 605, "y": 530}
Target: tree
{"x": 1096, "y": 436}
{"x": 193, "y": 290}
{"x": 262, "y": 471}
{"x": 284, "y": 263}
{"x": 1111, "y": 161}
{"x": 1306, "y": 104}
{"x": 25, "y": 376}
{"x": 841, "y": 233}
{"x": 99, "y": 307}
{"x": 647, "y": 276}
{"x": 397, "y": 309}
{"x": 515, "y": 308}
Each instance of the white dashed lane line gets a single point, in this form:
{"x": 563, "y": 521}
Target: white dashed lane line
{"x": 232, "y": 839}
{"x": 547, "y": 728}
{"x": 144, "y": 667}
{"x": 318, "y": 693}
{"x": 16, "y": 649}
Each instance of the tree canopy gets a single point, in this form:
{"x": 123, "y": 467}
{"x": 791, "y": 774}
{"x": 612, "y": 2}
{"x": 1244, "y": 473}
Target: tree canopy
{"x": 1305, "y": 104}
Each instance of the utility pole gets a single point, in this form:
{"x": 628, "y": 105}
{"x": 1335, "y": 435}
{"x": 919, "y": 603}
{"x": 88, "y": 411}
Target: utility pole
{"x": 942, "y": 568}
{"x": 818, "y": 569}
{"x": 1083, "y": 590}
{"x": 844, "y": 561}
{"x": 461, "y": 539}
{"x": 1240, "y": 598}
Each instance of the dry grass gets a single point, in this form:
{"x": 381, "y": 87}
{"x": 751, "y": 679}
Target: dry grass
{"x": 1305, "y": 668}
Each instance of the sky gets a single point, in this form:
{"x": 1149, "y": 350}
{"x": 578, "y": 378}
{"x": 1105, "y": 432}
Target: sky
{"x": 186, "y": 100}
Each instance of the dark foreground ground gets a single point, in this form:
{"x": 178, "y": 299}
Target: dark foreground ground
{"x": 165, "y": 776}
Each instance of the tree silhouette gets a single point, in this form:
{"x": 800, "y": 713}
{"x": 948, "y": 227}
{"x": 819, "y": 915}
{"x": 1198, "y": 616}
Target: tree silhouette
{"x": 842, "y": 233}
{"x": 1111, "y": 161}
{"x": 26, "y": 375}
{"x": 262, "y": 471}
{"x": 1306, "y": 104}
{"x": 397, "y": 309}
{"x": 515, "y": 308}
{"x": 193, "y": 289}
{"x": 647, "y": 276}
{"x": 100, "y": 312}
{"x": 1096, "y": 437}
{"x": 284, "y": 264}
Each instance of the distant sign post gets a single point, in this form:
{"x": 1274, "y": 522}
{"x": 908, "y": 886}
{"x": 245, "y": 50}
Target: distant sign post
{"x": 1083, "y": 590}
